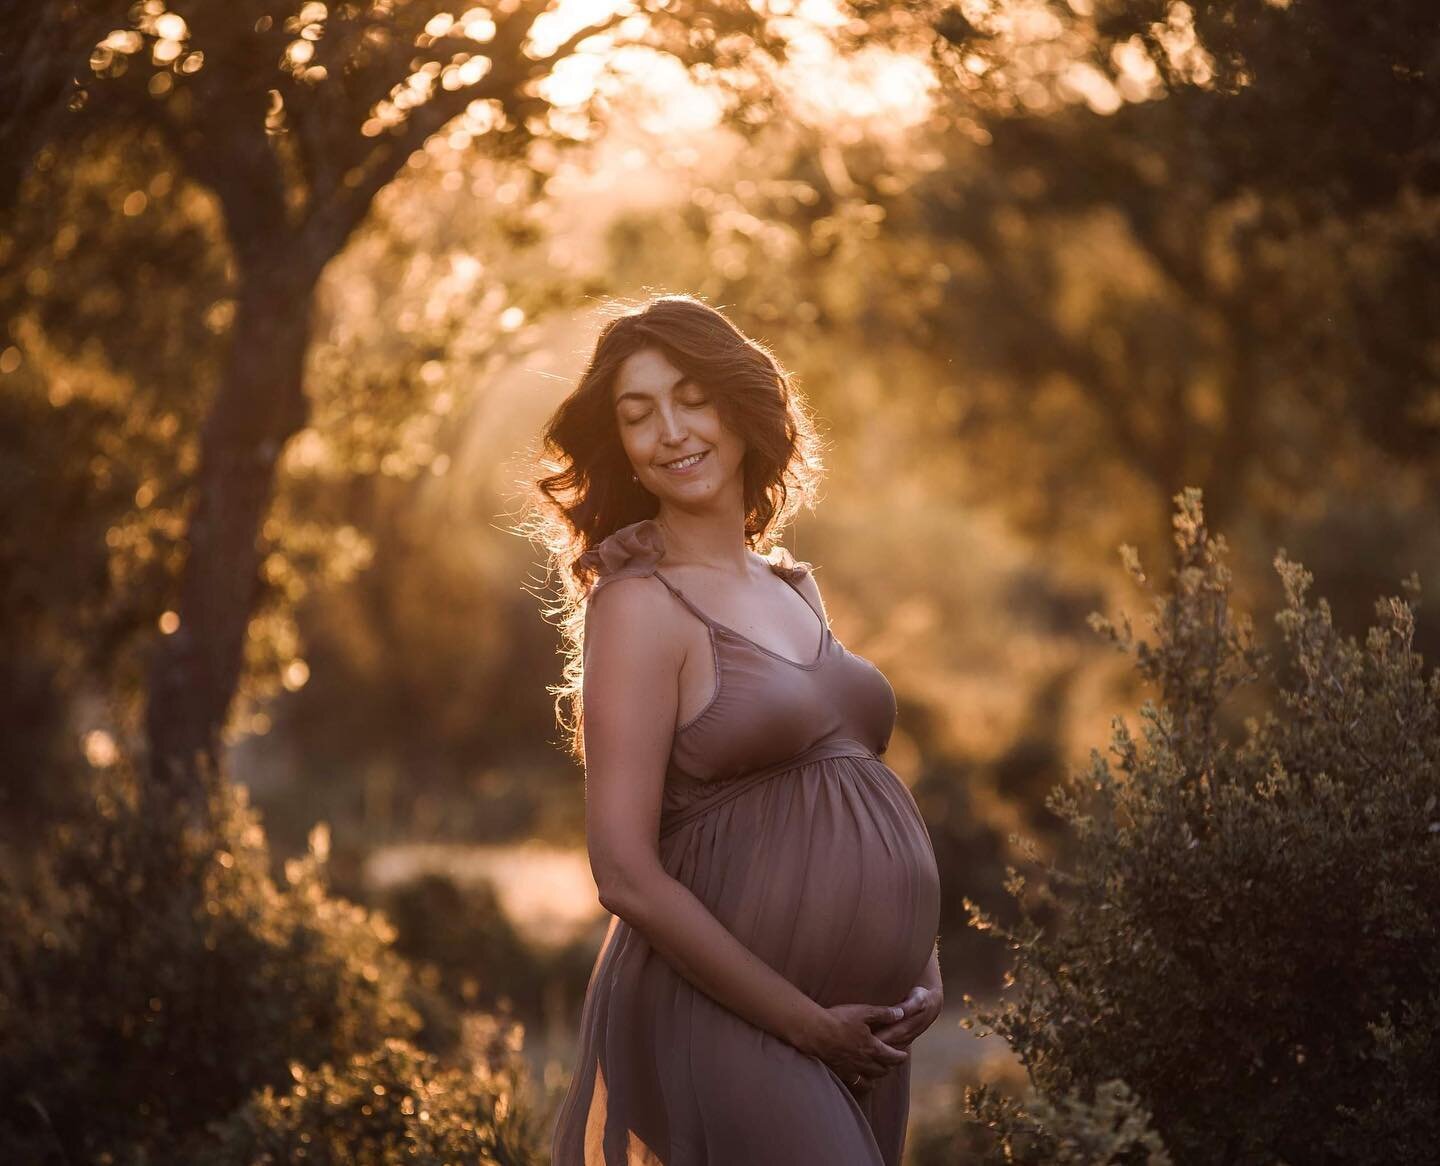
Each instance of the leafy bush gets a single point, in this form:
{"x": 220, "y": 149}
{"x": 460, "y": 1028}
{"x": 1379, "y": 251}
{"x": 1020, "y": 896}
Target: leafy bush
{"x": 1250, "y": 927}
{"x": 460, "y": 940}
{"x": 941, "y": 1133}
{"x": 1114, "y": 1127}
{"x": 161, "y": 978}
{"x": 464, "y": 933}
{"x": 391, "y": 1105}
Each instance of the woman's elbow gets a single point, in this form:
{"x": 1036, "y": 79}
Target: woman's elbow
{"x": 612, "y": 896}
{"x": 624, "y": 890}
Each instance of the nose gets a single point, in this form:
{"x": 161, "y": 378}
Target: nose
{"x": 673, "y": 430}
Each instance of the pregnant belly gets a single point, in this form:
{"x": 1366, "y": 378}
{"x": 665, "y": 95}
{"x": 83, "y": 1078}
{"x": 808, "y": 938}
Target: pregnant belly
{"x": 825, "y": 872}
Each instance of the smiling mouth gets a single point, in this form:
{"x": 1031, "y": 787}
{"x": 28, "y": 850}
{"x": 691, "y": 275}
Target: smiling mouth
{"x": 680, "y": 465}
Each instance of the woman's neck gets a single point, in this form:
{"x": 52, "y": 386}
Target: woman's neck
{"x": 714, "y": 541}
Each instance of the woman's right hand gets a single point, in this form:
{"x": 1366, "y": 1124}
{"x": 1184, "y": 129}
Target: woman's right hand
{"x": 841, "y": 1036}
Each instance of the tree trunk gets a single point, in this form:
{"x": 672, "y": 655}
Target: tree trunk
{"x": 47, "y": 48}
{"x": 259, "y": 405}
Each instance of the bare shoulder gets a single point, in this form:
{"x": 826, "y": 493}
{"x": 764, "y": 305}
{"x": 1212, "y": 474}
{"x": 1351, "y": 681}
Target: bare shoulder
{"x": 636, "y": 617}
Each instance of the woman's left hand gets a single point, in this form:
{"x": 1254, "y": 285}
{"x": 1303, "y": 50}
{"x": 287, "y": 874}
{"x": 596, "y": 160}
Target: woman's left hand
{"x": 922, "y": 1008}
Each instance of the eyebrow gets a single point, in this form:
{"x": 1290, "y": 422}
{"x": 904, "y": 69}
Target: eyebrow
{"x": 679, "y": 384}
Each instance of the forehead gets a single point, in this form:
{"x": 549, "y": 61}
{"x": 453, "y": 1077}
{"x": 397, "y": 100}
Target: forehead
{"x": 646, "y": 373}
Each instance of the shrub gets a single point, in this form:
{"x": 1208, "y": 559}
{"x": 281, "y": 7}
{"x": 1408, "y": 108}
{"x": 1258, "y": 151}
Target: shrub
{"x": 162, "y": 978}
{"x": 464, "y": 933}
{"x": 1249, "y": 928}
{"x": 394, "y": 1104}
{"x": 461, "y": 942}
{"x": 1112, "y": 1129}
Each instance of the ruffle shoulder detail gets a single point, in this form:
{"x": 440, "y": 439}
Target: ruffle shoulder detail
{"x": 637, "y": 549}
{"x": 787, "y": 566}
{"x": 630, "y": 551}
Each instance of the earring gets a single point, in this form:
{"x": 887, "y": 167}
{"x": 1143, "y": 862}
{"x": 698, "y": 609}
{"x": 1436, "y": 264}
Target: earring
{"x": 634, "y": 477}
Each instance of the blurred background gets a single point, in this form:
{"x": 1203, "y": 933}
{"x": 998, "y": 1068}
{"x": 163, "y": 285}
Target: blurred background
{"x": 287, "y": 291}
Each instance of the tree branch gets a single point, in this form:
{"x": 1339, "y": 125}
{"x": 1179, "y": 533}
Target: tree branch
{"x": 331, "y": 224}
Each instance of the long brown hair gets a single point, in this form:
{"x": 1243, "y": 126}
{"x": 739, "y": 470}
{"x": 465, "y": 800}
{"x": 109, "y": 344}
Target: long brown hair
{"x": 591, "y": 492}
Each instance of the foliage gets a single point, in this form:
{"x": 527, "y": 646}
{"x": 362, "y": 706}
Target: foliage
{"x": 970, "y": 854}
{"x": 1112, "y": 1130}
{"x": 1259, "y": 65}
{"x": 393, "y": 1104}
{"x": 1250, "y": 926}
{"x": 295, "y": 123}
{"x": 184, "y": 963}
{"x": 99, "y": 418}
{"x": 940, "y": 1133}
{"x": 1111, "y": 276}
{"x": 462, "y": 938}
{"x": 1205, "y": 130}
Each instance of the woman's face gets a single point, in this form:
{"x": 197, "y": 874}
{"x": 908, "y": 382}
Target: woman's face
{"x": 664, "y": 417}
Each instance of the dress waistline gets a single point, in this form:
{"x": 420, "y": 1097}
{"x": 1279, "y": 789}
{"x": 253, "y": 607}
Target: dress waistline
{"x": 830, "y": 747}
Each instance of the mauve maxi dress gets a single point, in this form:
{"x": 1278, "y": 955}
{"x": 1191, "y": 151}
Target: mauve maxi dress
{"x": 779, "y": 815}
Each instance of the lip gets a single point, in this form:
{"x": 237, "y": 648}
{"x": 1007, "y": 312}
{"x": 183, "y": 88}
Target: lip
{"x": 690, "y": 469}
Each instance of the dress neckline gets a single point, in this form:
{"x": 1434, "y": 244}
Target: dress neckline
{"x": 638, "y": 547}
{"x": 784, "y": 573}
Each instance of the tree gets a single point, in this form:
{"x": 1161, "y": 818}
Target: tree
{"x": 1300, "y": 135}
{"x": 294, "y": 119}
{"x": 1137, "y": 250}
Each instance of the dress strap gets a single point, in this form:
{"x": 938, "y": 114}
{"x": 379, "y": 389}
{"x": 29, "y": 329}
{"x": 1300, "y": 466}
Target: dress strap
{"x": 637, "y": 548}
{"x": 681, "y": 596}
{"x": 792, "y": 574}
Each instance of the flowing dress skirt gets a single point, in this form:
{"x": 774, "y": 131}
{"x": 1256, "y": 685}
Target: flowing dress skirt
{"x": 825, "y": 871}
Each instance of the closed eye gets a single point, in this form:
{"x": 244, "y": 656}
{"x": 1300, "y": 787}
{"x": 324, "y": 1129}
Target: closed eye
{"x": 696, "y": 404}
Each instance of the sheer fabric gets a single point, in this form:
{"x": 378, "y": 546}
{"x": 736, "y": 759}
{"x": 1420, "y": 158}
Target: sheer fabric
{"x": 778, "y": 813}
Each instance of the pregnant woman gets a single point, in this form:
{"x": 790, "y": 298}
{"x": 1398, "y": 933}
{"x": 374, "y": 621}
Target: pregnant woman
{"x": 773, "y": 888}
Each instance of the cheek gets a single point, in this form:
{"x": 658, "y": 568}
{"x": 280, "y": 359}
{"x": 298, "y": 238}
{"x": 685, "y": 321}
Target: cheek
{"x": 634, "y": 440}
{"x": 733, "y": 449}
{"x": 727, "y": 440}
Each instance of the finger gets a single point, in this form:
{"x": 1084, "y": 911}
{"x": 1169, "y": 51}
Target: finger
{"x": 898, "y": 1036}
{"x": 881, "y": 1068}
{"x": 912, "y": 1000}
{"x": 889, "y": 1055}
{"x": 874, "y": 1067}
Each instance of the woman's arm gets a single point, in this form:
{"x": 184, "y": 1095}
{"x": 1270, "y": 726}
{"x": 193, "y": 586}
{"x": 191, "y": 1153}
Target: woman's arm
{"x": 633, "y": 655}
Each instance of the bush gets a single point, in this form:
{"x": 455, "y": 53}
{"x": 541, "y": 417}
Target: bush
{"x": 1250, "y": 927}
{"x": 464, "y": 934}
{"x": 1113, "y": 1128}
{"x": 161, "y": 979}
{"x": 394, "y": 1104}
{"x": 461, "y": 942}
